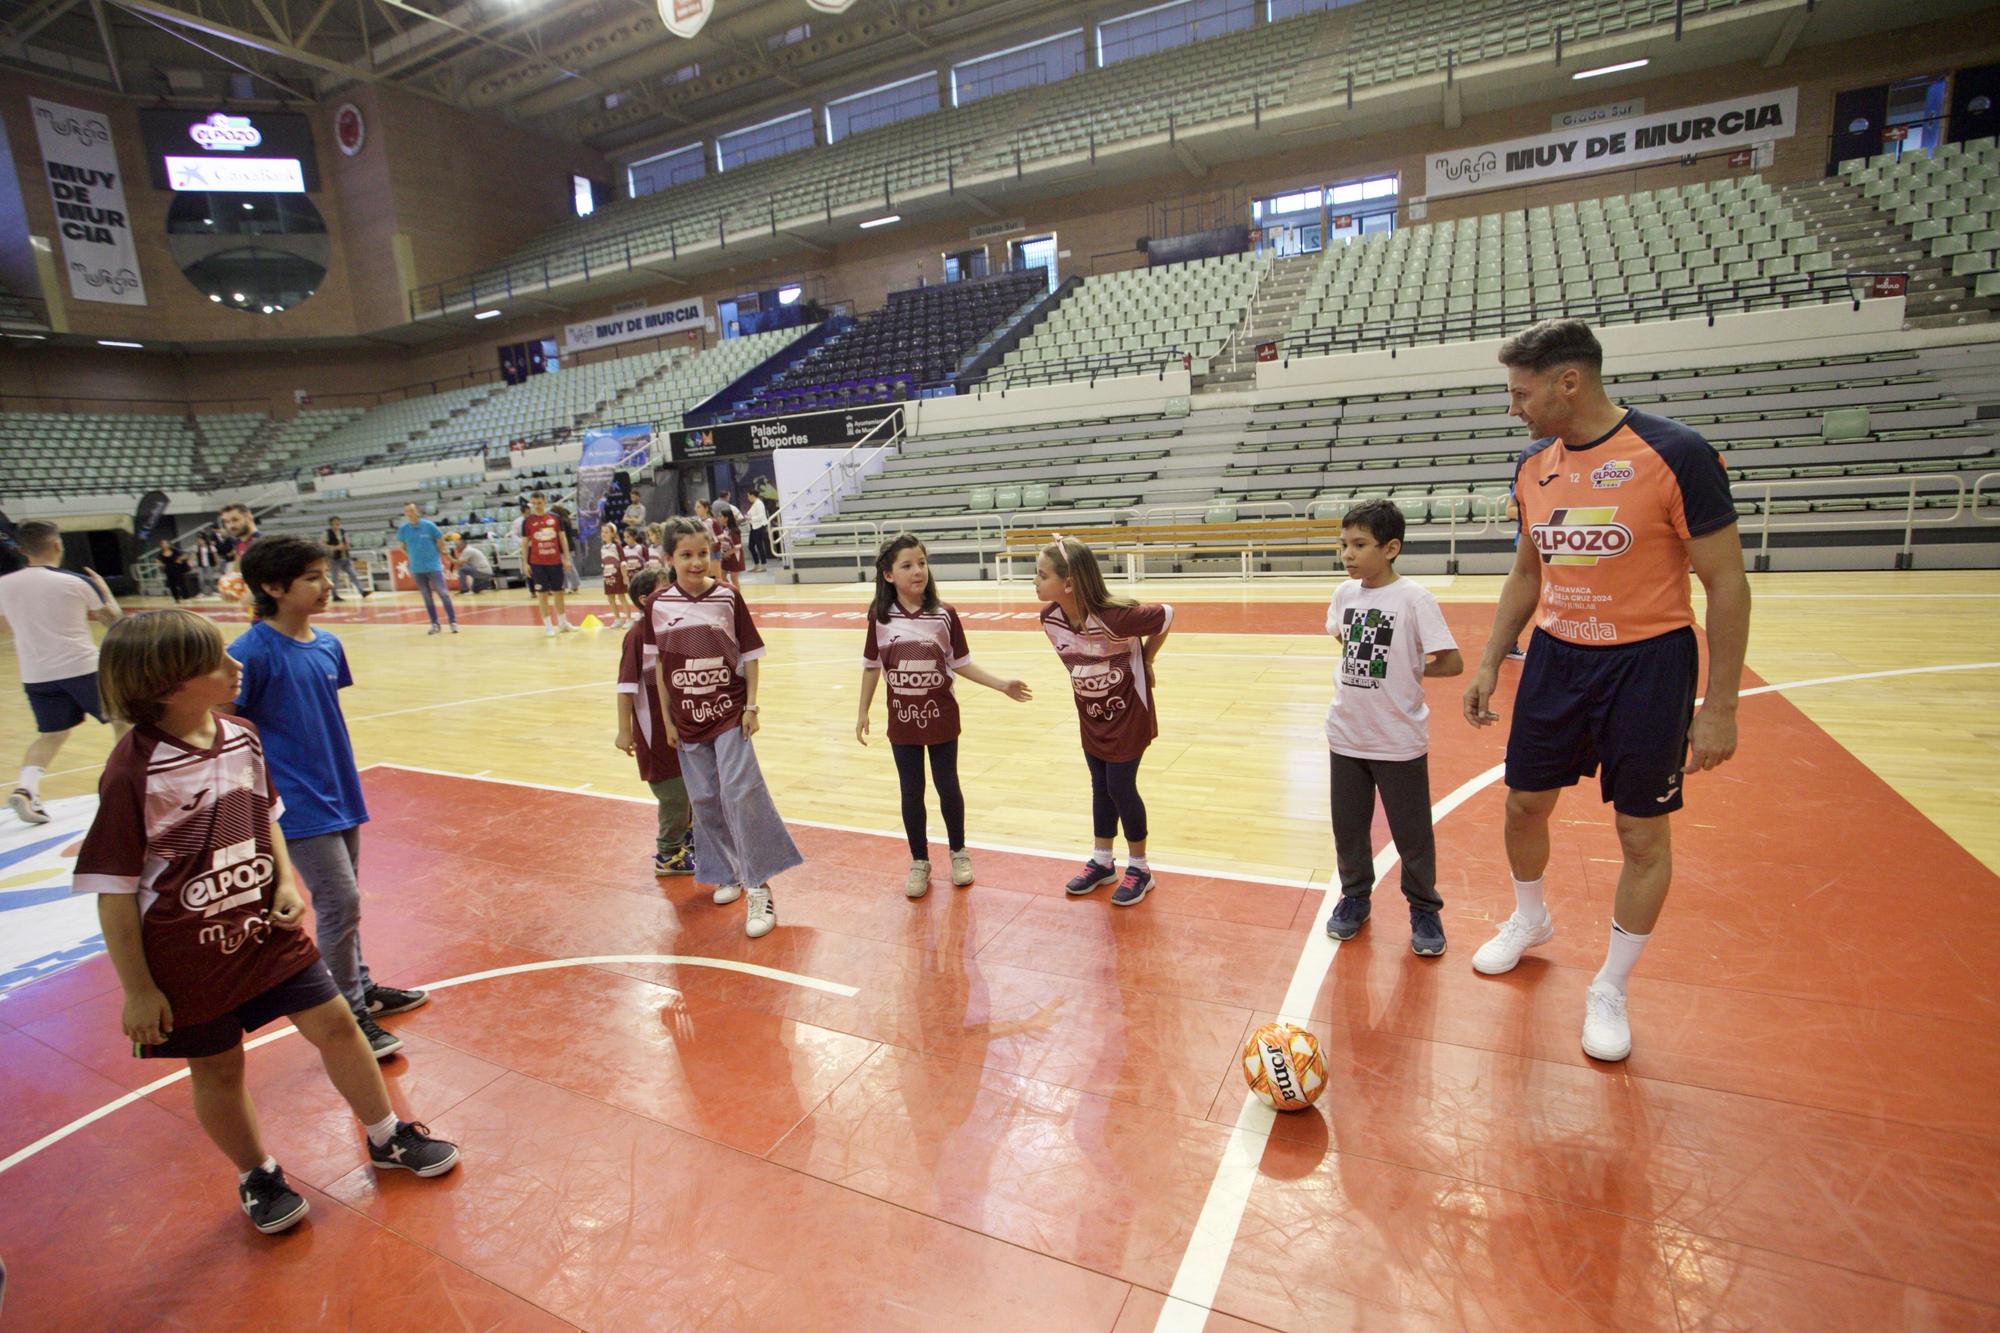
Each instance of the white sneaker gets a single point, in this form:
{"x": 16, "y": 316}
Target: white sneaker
{"x": 726, "y": 894}
{"x": 548, "y": 631}
{"x": 563, "y": 626}
{"x": 1516, "y": 937}
{"x": 26, "y": 808}
{"x": 919, "y": 882}
{"x": 1607, "y": 1035}
{"x": 961, "y": 867}
{"x": 761, "y": 914}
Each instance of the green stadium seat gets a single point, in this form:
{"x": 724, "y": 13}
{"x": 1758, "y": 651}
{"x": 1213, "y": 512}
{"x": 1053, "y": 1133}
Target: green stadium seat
{"x": 1844, "y": 423}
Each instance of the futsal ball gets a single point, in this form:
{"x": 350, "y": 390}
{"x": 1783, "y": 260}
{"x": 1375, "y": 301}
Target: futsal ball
{"x": 232, "y": 587}
{"x": 1284, "y": 1067}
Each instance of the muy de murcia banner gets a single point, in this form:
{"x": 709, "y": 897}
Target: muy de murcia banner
{"x": 81, "y": 168}
{"x": 1736, "y": 123}
{"x": 624, "y": 327}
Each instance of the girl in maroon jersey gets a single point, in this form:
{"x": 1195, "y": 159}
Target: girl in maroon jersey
{"x": 918, "y": 642}
{"x": 1107, "y": 644}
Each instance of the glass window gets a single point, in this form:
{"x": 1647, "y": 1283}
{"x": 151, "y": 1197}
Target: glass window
{"x": 1044, "y": 61}
{"x": 1164, "y": 27}
{"x": 914, "y": 96}
{"x": 586, "y": 198}
{"x": 789, "y": 295}
{"x": 657, "y": 173}
{"x": 1289, "y": 9}
{"x": 772, "y": 138}
{"x": 1354, "y": 192}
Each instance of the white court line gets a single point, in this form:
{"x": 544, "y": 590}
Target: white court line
{"x": 1209, "y": 1245}
{"x": 546, "y": 965}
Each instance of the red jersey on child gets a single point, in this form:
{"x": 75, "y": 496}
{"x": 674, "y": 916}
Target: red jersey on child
{"x": 189, "y": 832}
{"x": 919, "y": 656}
{"x": 541, "y": 534}
{"x": 703, "y": 643}
{"x": 658, "y": 760}
{"x": 1107, "y": 673}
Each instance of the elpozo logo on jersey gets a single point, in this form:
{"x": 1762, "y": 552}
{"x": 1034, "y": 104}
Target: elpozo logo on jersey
{"x": 1613, "y": 474}
{"x": 1581, "y": 536}
{"x": 1095, "y": 679}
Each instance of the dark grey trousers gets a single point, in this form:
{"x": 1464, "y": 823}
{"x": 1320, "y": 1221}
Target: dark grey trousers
{"x": 1406, "y": 798}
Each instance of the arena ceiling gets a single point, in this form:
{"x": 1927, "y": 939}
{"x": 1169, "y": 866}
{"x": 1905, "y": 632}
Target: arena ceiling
{"x": 602, "y": 72}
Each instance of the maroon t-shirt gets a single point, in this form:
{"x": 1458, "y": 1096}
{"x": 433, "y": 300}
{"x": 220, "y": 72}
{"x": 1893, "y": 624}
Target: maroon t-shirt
{"x": 658, "y": 761}
{"x": 703, "y": 643}
{"x": 541, "y": 534}
{"x": 1106, "y": 661}
{"x": 189, "y": 831}
{"x": 919, "y": 656}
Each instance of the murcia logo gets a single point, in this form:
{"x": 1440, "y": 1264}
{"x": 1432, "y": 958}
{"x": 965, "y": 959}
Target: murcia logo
{"x": 1581, "y": 536}
{"x": 1095, "y": 679}
{"x": 1614, "y": 473}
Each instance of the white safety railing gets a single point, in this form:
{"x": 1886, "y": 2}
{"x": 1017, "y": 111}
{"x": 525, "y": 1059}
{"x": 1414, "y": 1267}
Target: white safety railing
{"x": 835, "y": 482}
{"x": 1983, "y": 497}
{"x": 1901, "y": 504}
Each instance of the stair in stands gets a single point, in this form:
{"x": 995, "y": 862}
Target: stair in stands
{"x": 1864, "y": 238}
{"x": 1272, "y": 306}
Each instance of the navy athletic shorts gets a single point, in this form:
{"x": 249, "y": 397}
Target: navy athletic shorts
{"x": 308, "y": 988}
{"x": 59, "y": 705}
{"x": 1623, "y": 708}
{"x": 545, "y": 578}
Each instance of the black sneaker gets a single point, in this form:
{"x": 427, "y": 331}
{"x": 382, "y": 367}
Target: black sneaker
{"x": 1349, "y": 915}
{"x": 385, "y": 1000}
{"x": 411, "y": 1148}
{"x": 383, "y": 1044}
{"x": 270, "y": 1204}
{"x": 1094, "y": 877}
{"x": 1426, "y": 933}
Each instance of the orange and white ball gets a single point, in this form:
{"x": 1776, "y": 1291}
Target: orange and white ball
{"x": 1284, "y": 1067}
{"x": 232, "y": 588}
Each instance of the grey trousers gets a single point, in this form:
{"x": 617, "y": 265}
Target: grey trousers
{"x": 1406, "y": 798}
{"x": 738, "y": 836}
{"x": 676, "y": 816}
{"x": 342, "y": 565}
{"x": 330, "y": 867}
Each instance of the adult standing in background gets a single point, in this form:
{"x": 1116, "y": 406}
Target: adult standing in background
{"x": 340, "y": 559}
{"x": 759, "y": 521}
{"x": 572, "y": 580}
{"x": 49, "y": 610}
{"x": 236, "y": 527}
{"x": 421, "y": 540}
{"x": 174, "y": 566}
{"x": 207, "y": 564}
{"x": 543, "y": 547}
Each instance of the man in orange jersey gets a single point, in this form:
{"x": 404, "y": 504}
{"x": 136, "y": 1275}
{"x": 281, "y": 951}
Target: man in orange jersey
{"x": 1616, "y": 506}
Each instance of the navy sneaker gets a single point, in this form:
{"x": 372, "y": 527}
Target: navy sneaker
{"x": 271, "y": 1204}
{"x": 1095, "y": 876}
{"x": 385, "y": 1000}
{"x": 680, "y": 861}
{"x": 411, "y": 1148}
{"x": 1349, "y": 915}
{"x": 1136, "y": 885}
{"x": 1426, "y": 933}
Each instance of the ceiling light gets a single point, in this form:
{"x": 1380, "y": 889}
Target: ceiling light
{"x": 237, "y": 297}
{"x": 266, "y": 309}
{"x": 113, "y": 342}
{"x": 881, "y": 222}
{"x": 30, "y": 337}
{"x": 487, "y": 314}
{"x": 1611, "y": 69}
{"x": 215, "y": 296}
{"x": 248, "y": 206}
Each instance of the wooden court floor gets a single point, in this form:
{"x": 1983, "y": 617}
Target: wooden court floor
{"x": 999, "y": 1108}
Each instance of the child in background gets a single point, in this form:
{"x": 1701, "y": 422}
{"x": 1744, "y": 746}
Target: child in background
{"x": 1107, "y": 644}
{"x": 201, "y": 911}
{"x": 1392, "y": 635}
{"x": 656, "y": 548}
{"x": 707, "y": 675}
{"x": 642, "y": 733}
{"x": 292, "y": 676}
{"x": 621, "y": 559}
{"x": 919, "y": 643}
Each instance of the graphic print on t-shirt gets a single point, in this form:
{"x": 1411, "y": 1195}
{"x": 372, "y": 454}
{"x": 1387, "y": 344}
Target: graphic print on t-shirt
{"x": 703, "y": 642}
{"x": 919, "y": 656}
{"x": 1364, "y": 646}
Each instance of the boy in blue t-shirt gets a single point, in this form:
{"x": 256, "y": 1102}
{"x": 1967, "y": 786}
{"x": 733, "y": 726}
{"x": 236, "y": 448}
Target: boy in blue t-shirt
{"x": 421, "y": 540}
{"x": 292, "y": 678}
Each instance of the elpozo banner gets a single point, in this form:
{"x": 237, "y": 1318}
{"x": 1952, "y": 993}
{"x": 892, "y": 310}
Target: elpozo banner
{"x": 89, "y": 193}
{"x": 684, "y": 18}
{"x": 631, "y": 325}
{"x": 1736, "y": 123}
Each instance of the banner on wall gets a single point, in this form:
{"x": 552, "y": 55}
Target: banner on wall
{"x": 684, "y": 18}
{"x": 89, "y": 193}
{"x": 610, "y": 455}
{"x": 1738, "y": 122}
{"x": 732, "y": 439}
{"x": 630, "y": 325}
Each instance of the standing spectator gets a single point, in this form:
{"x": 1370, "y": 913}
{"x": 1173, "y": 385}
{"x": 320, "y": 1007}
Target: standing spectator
{"x": 572, "y": 581}
{"x": 207, "y": 564}
{"x": 420, "y": 539}
{"x": 759, "y": 519}
{"x": 49, "y": 610}
{"x": 174, "y": 566}
{"x": 340, "y": 558}
{"x": 236, "y": 527}
{"x": 544, "y": 548}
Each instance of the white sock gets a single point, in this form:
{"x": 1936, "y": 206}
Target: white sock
{"x": 1528, "y": 900}
{"x": 268, "y": 1164}
{"x": 382, "y": 1131}
{"x": 1100, "y": 856}
{"x": 1620, "y": 958}
{"x": 1134, "y": 859}
{"x": 31, "y": 780}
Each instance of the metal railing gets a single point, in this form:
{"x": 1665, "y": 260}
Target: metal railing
{"x": 1903, "y": 489}
{"x": 1677, "y": 303}
{"x": 1090, "y": 369}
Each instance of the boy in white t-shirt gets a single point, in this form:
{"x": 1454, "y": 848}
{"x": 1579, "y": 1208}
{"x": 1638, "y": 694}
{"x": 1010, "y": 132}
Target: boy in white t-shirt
{"x": 1392, "y": 635}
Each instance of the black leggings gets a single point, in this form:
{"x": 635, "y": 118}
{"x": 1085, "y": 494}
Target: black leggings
{"x": 944, "y": 776}
{"x": 1114, "y": 796}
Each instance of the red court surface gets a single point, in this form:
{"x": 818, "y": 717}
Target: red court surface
{"x": 1015, "y": 1118}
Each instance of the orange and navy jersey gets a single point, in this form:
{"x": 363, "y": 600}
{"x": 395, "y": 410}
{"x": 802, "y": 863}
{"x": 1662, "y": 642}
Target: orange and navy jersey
{"x": 1610, "y": 519}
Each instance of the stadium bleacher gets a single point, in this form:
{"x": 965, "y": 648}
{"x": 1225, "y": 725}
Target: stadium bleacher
{"x": 1950, "y": 202}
